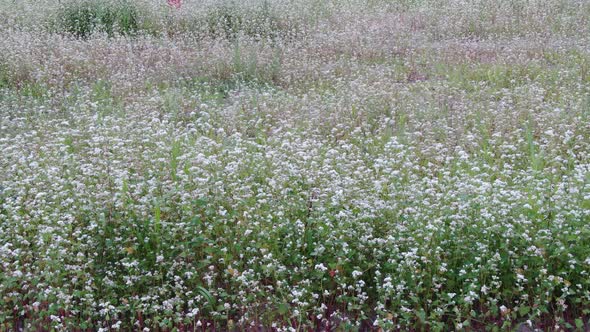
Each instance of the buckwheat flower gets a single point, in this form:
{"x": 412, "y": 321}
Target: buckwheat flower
{"x": 504, "y": 310}
{"x": 321, "y": 267}
{"x": 468, "y": 299}
{"x": 561, "y": 303}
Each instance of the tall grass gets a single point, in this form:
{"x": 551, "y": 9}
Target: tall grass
{"x": 83, "y": 18}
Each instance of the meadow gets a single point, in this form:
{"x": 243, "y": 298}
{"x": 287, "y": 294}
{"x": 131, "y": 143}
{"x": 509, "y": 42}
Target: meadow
{"x": 295, "y": 165}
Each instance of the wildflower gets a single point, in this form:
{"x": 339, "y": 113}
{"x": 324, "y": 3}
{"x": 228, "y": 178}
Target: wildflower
{"x": 504, "y": 310}
{"x": 321, "y": 267}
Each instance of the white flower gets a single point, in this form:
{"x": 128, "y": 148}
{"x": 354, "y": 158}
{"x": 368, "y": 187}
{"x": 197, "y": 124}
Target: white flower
{"x": 484, "y": 289}
{"x": 321, "y": 267}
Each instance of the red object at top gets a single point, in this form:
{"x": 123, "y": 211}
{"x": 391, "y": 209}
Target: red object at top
{"x": 175, "y": 3}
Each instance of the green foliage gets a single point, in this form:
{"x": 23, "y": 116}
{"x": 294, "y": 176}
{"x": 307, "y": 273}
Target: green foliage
{"x": 4, "y": 76}
{"x": 18, "y": 78}
{"x": 22, "y": 83}
{"x": 228, "y": 21}
{"x": 82, "y": 18}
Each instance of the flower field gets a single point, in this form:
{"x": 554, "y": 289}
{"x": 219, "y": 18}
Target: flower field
{"x": 295, "y": 165}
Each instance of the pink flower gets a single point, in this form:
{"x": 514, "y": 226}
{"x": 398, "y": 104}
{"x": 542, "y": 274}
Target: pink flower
{"x": 175, "y": 3}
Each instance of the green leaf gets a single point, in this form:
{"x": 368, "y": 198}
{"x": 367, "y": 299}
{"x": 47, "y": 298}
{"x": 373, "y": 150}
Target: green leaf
{"x": 421, "y": 315}
{"x": 207, "y": 295}
{"x": 524, "y": 310}
{"x": 200, "y": 202}
{"x": 283, "y": 308}
{"x": 196, "y": 220}
{"x": 579, "y": 323}
{"x": 157, "y": 217}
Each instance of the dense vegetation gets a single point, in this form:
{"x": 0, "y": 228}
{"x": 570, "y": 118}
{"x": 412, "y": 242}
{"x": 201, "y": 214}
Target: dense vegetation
{"x": 294, "y": 165}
